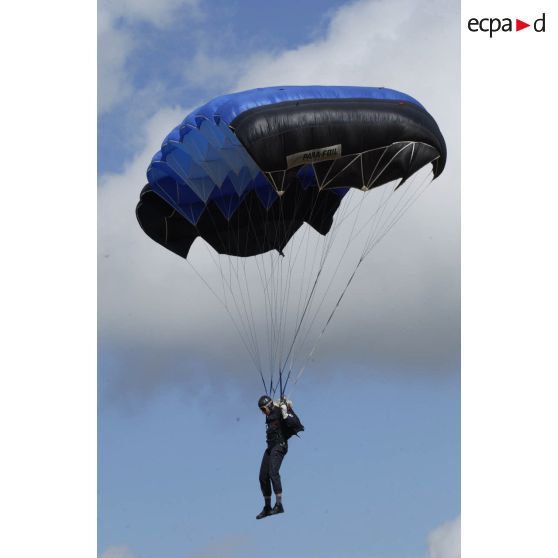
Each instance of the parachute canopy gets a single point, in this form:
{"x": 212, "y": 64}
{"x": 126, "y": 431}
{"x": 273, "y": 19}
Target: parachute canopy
{"x": 246, "y": 170}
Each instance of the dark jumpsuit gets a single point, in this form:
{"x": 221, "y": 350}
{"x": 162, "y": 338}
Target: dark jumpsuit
{"x": 277, "y": 448}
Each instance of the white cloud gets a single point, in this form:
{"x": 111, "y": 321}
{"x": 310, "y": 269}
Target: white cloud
{"x": 155, "y": 312}
{"x": 117, "y": 41}
{"x": 113, "y": 79}
{"x": 129, "y": 276}
{"x": 445, "y": 540}
{"x": 402, "y": 44}
{"x": 117, "y": 551}
{"x": 160, "y": 13}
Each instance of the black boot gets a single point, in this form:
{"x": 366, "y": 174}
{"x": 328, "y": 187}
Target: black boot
{"x": 264, "y": 513}
{"x": 277, "y": 508}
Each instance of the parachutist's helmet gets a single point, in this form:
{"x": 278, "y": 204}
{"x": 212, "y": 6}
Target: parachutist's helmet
{"x": 265, "y": 401}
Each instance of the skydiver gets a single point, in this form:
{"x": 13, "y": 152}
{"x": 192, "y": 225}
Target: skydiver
{"x": 277, "y": 448}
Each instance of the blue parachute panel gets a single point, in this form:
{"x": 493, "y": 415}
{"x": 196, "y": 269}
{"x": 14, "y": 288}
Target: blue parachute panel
{"x": 205, "y": 163}
{"x": 228, "y": 107}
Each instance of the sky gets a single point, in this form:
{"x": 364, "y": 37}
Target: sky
{"x": 377, "y": 472}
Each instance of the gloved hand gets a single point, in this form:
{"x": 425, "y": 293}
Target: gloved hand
{"x": 287, "y": 402}
{"x": 285, "y": 405}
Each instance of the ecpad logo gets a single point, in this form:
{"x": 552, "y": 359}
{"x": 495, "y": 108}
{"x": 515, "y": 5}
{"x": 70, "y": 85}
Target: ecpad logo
{"x": 492, "y": 25}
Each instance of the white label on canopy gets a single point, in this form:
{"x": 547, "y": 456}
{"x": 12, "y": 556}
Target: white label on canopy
{"x": 314, "y": 156}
